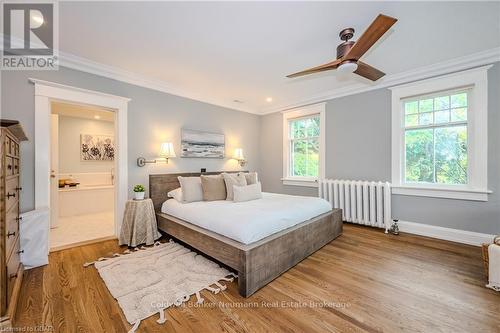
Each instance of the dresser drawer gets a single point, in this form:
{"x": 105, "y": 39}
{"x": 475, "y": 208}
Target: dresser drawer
{"x": 12, "y": 146}
{"x": 7, "y": 144}
{"x": 9, "y": 166}
{"x": 12, "y": 231}
{"x": 16, "y": 149}
{"x": 16, "y": 166}
{"x": 11, "y": 193}
{"x": 12, "y": 267}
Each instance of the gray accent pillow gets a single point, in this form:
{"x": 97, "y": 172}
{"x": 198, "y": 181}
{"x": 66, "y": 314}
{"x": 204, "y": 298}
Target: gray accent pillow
{"x": 251, "y": 177}
{"x": 233, "y": 179}
{"x": 214, "y": 188}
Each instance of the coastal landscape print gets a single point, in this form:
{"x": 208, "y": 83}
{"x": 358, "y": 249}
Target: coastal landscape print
{"x": 97, "y": 147}
{"x": 202, "y": 144}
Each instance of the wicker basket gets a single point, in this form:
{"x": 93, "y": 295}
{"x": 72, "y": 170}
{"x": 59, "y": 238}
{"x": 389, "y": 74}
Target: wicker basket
{"x": 486, "y": 262}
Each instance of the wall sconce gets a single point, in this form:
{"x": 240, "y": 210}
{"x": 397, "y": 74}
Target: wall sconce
{"x": 166, "y": 152}
{"x": 238, "y": 155}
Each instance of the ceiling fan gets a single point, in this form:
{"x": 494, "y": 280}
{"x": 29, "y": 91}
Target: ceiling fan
{"x": 349, "y": 52}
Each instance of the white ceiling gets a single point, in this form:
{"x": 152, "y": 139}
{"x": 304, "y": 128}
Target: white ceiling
{"x": 227, "y": 51}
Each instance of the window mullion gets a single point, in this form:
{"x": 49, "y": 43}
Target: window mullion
{"x": 450, "y": 124}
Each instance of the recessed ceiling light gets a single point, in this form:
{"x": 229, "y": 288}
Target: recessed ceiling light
{"x": 97, "y": 117}
{"x": 269, "y": 99}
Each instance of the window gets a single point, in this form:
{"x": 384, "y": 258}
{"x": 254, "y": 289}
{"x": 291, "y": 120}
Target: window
{"x": 440, "y": 137}
{"x": 303, "y": 145}
{"x": 436, "y": 139}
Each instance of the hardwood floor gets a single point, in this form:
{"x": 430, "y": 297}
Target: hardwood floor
{"x": 364, "y": 281}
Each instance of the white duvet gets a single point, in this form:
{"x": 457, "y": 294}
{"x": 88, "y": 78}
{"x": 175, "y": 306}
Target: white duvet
{"x": 248, "y": 222}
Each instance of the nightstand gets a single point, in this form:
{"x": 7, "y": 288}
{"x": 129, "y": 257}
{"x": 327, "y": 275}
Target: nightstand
{"x": 139, "y": 224}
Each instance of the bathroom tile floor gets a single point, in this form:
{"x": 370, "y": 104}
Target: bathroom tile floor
{"x": 82, "y": 229}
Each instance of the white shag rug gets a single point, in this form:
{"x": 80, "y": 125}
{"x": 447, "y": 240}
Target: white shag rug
{"x": 149, "y": 280}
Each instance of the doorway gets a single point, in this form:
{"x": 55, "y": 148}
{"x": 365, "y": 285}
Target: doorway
{"x": 48, "y": 93}
{"x": 82, "y": 175}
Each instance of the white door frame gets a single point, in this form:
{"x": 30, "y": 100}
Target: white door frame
{"x": 54, "y": 168}
{"x": 45, "y": 93}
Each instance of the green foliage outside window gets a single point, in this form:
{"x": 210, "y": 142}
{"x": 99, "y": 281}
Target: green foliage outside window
{"x": 436, "y": 140}
{"x": 304, "y": 136}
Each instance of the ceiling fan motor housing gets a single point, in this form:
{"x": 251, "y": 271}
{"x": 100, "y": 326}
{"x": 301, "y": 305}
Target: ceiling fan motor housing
{"x": 343, "y": 48}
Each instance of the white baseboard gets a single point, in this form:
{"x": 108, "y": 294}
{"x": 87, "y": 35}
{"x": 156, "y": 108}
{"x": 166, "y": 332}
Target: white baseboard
{"x": 454, "y": 235}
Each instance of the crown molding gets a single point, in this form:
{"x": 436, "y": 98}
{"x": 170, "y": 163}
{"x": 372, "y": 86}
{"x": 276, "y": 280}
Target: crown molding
{"x": 72, "y": 61}
{"x": 446, "y": 67}
{"x": 84, "y": 65}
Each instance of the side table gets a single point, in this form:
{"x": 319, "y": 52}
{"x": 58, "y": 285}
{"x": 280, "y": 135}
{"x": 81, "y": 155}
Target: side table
{"x": 139, "y": 224}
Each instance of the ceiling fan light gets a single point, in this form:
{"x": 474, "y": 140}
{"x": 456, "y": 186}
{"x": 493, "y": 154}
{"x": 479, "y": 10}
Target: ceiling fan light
{"x": 347, "y": 67}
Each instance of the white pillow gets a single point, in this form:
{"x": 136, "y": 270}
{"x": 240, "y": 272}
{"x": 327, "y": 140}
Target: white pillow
{"x": 247, "y": 193}
{"x": 191, "y": 189}
{"x": 176, "y": 194}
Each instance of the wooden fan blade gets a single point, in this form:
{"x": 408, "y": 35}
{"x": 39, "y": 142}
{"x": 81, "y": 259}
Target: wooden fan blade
{"x": 325, "y": 67}
{"x": 376, "y": 30}
{"x": 369, "y": 72}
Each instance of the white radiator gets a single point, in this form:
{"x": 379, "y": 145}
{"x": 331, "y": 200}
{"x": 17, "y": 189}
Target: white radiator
{"x": 362, "y": 202}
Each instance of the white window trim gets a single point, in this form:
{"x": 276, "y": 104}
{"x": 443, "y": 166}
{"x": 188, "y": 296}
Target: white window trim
{"x": 297, "y": 113}
{"x": 477, "y": 189}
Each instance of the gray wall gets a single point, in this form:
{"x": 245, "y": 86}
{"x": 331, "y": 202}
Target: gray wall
{"x": 70, "y": 129}
{"x": 153, "y": 117}
{"x": 358, "y": 142}
{"x": 358, "y": 146}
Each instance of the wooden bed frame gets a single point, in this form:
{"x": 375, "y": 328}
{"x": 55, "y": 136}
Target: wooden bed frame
{"x": 258, "y": 263}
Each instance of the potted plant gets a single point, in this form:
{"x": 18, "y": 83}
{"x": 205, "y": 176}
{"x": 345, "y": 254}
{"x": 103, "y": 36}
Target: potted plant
{"x": 139, "y": 192}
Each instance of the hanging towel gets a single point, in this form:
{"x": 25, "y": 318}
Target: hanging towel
{"x": 494, "y": 267}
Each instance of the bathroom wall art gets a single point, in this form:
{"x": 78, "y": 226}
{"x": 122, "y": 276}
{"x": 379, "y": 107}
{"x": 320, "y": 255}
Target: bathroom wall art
{"x": 97, "y": 147}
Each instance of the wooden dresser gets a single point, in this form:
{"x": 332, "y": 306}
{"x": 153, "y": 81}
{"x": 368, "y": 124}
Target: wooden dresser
{"x": 11, "y": 270}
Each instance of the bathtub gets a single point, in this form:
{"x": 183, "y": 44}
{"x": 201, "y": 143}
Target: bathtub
{"x": 95, "y": 194}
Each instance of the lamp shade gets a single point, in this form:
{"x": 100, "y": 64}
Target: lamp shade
{"x": 167, "y": 150}
{"x": 238, "y": 154}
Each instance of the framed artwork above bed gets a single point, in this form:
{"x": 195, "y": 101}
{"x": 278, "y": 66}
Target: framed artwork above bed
{"x": 202, "y": 144}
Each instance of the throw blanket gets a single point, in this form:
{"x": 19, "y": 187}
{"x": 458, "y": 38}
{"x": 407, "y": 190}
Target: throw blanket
{"x": 494, "y": 267}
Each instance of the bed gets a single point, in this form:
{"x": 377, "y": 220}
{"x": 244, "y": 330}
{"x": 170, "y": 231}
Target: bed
{"x": 258, "y": 239}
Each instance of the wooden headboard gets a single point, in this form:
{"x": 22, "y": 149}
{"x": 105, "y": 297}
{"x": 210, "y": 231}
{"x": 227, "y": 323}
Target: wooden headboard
{"x": 160, "y": 185}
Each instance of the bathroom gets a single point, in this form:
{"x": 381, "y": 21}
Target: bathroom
{"x": 82, "y": 175}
